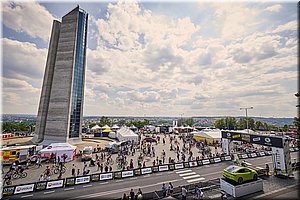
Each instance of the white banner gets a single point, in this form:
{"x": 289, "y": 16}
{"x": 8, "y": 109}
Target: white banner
{"x": 127, "y": 174}
{"x": 55, "y": 184}
{"x": 205, "y": 162}
{"x": 179, "y": 166}
{"x": 217, "y": 160}
{"x": 146, "y": 170}
{"x": 227, "y": 157}
{"x": 193, "y": 164}
{"x": 225, "y": 146}
{"x": 163, "y": 168}
{"x": 296, "y": 149}
{"x": 84, "y": 179}
{"x": 253, "y": 155}
{"x": 24, "y": 188}
{"x": 292, "y": 149}
{"x": 262, "y": 153}
{"x": 106, "y": 176}
{"x": 244, "y": 156}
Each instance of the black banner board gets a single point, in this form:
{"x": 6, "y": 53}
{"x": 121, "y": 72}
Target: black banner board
{"x": 95, "y": 177}
{"x": 8, "y": 190}
{"x": 155, "y": 169}
{"x": 40, "y": 186}
{"x": 199, "y": 162}
{"x": 117, "y": 174}
{"x": 265, "y": 140}
{"x": 137, "y": 172}
{"x": 70, "y": 181}
{"x": 171, "y": 167}
{"x": 186, "y": 164}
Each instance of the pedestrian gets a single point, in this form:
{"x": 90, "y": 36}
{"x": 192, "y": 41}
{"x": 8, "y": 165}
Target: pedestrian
{"x": 144, "y": 164}
{"x": 267, "y": 169}
{"x": 101, "y": 167}
{"x": 183, "y": 193}
{"x": 73, "y": 170}
{"x": 78, "y": 172}
{"x": 41, "y": 178}
{"x": 124, "y": 197}
{"x": 110, "y": 168}
{"x": 131, "y": 194}
{"x": 58, "y": 159}
{"x": 171, "y": 189}
{"x": 106, "y": 168}
{"x": 139, "y": 194}
{"x": 198, "y": 192}
{"x": 164, "y": 190}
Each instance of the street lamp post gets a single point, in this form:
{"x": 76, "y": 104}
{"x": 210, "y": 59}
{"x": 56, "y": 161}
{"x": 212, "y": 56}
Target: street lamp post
{"x": 246, "y": 109}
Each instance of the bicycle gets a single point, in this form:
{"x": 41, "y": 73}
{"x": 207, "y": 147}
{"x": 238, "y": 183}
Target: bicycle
{"x": 109, "y": 161}
{"x": 17, "y": 175}
{"x": 56, "y": 169}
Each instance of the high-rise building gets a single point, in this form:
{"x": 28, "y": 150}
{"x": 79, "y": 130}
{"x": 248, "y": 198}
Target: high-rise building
{"x": 61, "y": 102}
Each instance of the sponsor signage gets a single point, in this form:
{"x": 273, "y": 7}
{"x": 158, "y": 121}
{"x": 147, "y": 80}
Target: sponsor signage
{"x": 211, "y": 160}
{"x": 95, "y": 177}
{"x": 163, "y": 168}
{"x": 186, "y": 164}
{"x": 137, "y": 172}
{"x": 193, "y": 164}
{"x": 127, "y": 174}
{"x": 244, "y": 156}
{"x": 205, "y": 162}
{"x": 262, "y": 153}
{"x": 117, "y": 174}
{"x": 199, "y": 162}
{"x": 253, "y": 155}
{"x": 292, "y": 149}
{"x": 83, "y": 179}
{"x": 254, "y": 138}
{"x": 217, "y": 160}
{"x": 40, "y": 185}
{"x": 106, "y": 176}
{"x": 55, "y": 184}
{"x": 8, "y": 191}
{"x": 296, "y": 149}
{"x": 147, "y": 170}
{"x": 227, "y": 157}
{"x": 179, "y": 166}
{"x": 24, "y": 188}
{"x": 171, "y": 167}
{"x": 70, "y": 181}
{"x": 155, "y": 169}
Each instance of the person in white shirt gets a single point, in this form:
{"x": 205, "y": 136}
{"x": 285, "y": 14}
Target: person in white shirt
{"x": 41, "y": 178}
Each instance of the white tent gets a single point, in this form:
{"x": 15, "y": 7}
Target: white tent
{"x": 60, "y": 149}
{"x": 125, "y": 134}
{"x": 105, "y": 127}
{"x": 209, "y": 135}
{"x": 112, "y": 135}
{"x": 115, "y": 127}
{"x": 95, "y": 127}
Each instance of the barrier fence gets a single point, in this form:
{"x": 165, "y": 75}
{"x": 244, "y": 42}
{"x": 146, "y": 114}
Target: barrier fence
{"x": 71, "y": 181}
{"x": 261, "y": 153}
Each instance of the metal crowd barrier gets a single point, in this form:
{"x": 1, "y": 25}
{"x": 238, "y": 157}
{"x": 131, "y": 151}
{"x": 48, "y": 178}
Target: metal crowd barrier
{"x": 71, "y": 181}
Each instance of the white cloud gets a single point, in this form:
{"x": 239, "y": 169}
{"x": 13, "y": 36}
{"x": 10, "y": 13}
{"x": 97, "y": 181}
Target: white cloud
{"x": 290, "y": 26}
{"x": 19, "y": 16}
{"x": 274, "y": 8}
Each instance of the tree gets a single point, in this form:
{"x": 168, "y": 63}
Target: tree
{"x": 296, "y": 122}
{"x": 105, "y": 121}
{"x": 220, "y": 123}
{"x": 285, "y": 128}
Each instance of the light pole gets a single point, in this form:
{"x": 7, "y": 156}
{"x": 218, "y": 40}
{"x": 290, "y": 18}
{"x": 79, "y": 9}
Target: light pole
{"x": 246, "y": 109}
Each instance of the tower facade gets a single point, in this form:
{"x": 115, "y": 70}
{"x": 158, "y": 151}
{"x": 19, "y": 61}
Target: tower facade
{"x": 61, "y": 103}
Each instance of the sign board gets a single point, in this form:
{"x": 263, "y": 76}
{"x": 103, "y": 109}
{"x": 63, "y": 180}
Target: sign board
{"x": 205, "y": 162}
{"x": 163, "y": 168}
{"x": 40, "y": 185}
{"x": 83, "y": 179}
{"x": 24, "y": 188}
{"x": 193, "y": 164}
{"x": 155, "y": 169}
{"x": 225, "y": 145}
{"x": 262, "y": 153}
{"x": 292, "y": 149}
{"x": 127, "y": 174}
{"x": 244, "y": 156}
{"x": 8, "y": 191}
{"x": 227, "y": 158}
{"x": 199, "y": 162}
{"x": 217, "y": 160}
{"x": 296, "y": 149}
{"x": 147, "y": 170}
{"x": 179, "y": 166}
{"x": 117, "y": 174}
{"x": 171, "y": 166}
{"x": 70, "y": 181}
{"x": 106, "y": 176}
{"x": 253, "y": 155}
{"x": 95, "y": 177}
{"x": 55, "y": 184}
{"x": 137, "y": 172}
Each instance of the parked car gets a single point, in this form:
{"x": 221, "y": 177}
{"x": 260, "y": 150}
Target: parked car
{"x": 239, "y": 174}
{"x": 87, "y": 153}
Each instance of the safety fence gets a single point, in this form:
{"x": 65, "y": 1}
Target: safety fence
{"x": 261, "y": 153}
{"x": 71, "y": 181}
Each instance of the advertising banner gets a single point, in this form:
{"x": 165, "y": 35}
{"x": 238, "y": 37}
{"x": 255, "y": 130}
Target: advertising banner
{"x": 163, "y": 168}
{"x": 287, "y": 157}
{"x": 147, "y": 170}
{"x": 292, "y": 149}
{"x": 106, "y": 176}
{"x": 55, "y": 184}
{"x": 179, "y": 166}
{"x": 244, "y": 156}
{"x": 186, "y": 165}
{"x": 24, "y": 188}
{"x": 199, "y": 162}
{"x": 155, "y": 169}
{"x": 40, "y": 185}
{"x": 193, "y": 164}
{"x": 83, "y": 179}
{"x": 211, "y": 160}
{"x": 70, "y": 181}
{"x": 137, "y": 172}
{"x": 171, "y": 166}
{"x": 227, "y": 158}
{"x": 8, "y": 191}
{"x": 225, "y": 146}
{"x": 95, "y": 177}
{"x": 296, "y": 149}
{"x": 262, "y": 153}
{"x": 205, "y": 162}
{"x": 217, "y": 160}
{"x": 117, "y": 174}
{"x": 253, "y": 155}
{"x": 127, "y": 174}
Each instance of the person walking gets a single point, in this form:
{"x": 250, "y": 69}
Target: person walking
{"x": 101, "y": 167}
{"x": 41, "y": 177}
{"x": 183, "y": 193}
{"x": 124, "y": 197}
{"x": 164, "y": 190}
{"x": 131, "y": 194}
{"x": 73, "y": 170}
{"x": 78, "y": 172}
{"x": 171, "y": 189}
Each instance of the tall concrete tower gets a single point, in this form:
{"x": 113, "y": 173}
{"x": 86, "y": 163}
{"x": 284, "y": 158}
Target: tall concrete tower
{"x": 61, "y": 103}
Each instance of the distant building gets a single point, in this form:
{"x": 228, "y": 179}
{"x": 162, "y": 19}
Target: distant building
{"x": 61, "y": 102}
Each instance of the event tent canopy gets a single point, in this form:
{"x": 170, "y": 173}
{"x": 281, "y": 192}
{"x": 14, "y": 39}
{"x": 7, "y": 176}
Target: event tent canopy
{"x": 105, "y": 127}
{"x": 107, "y": 130}
{"x": 95, "y": 127}
{"x": 125, "y": 134}
{"x": 60, "y": 149}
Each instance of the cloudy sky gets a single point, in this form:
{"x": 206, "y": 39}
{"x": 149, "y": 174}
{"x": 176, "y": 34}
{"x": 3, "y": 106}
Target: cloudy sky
{"x": 162, "y": 59}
